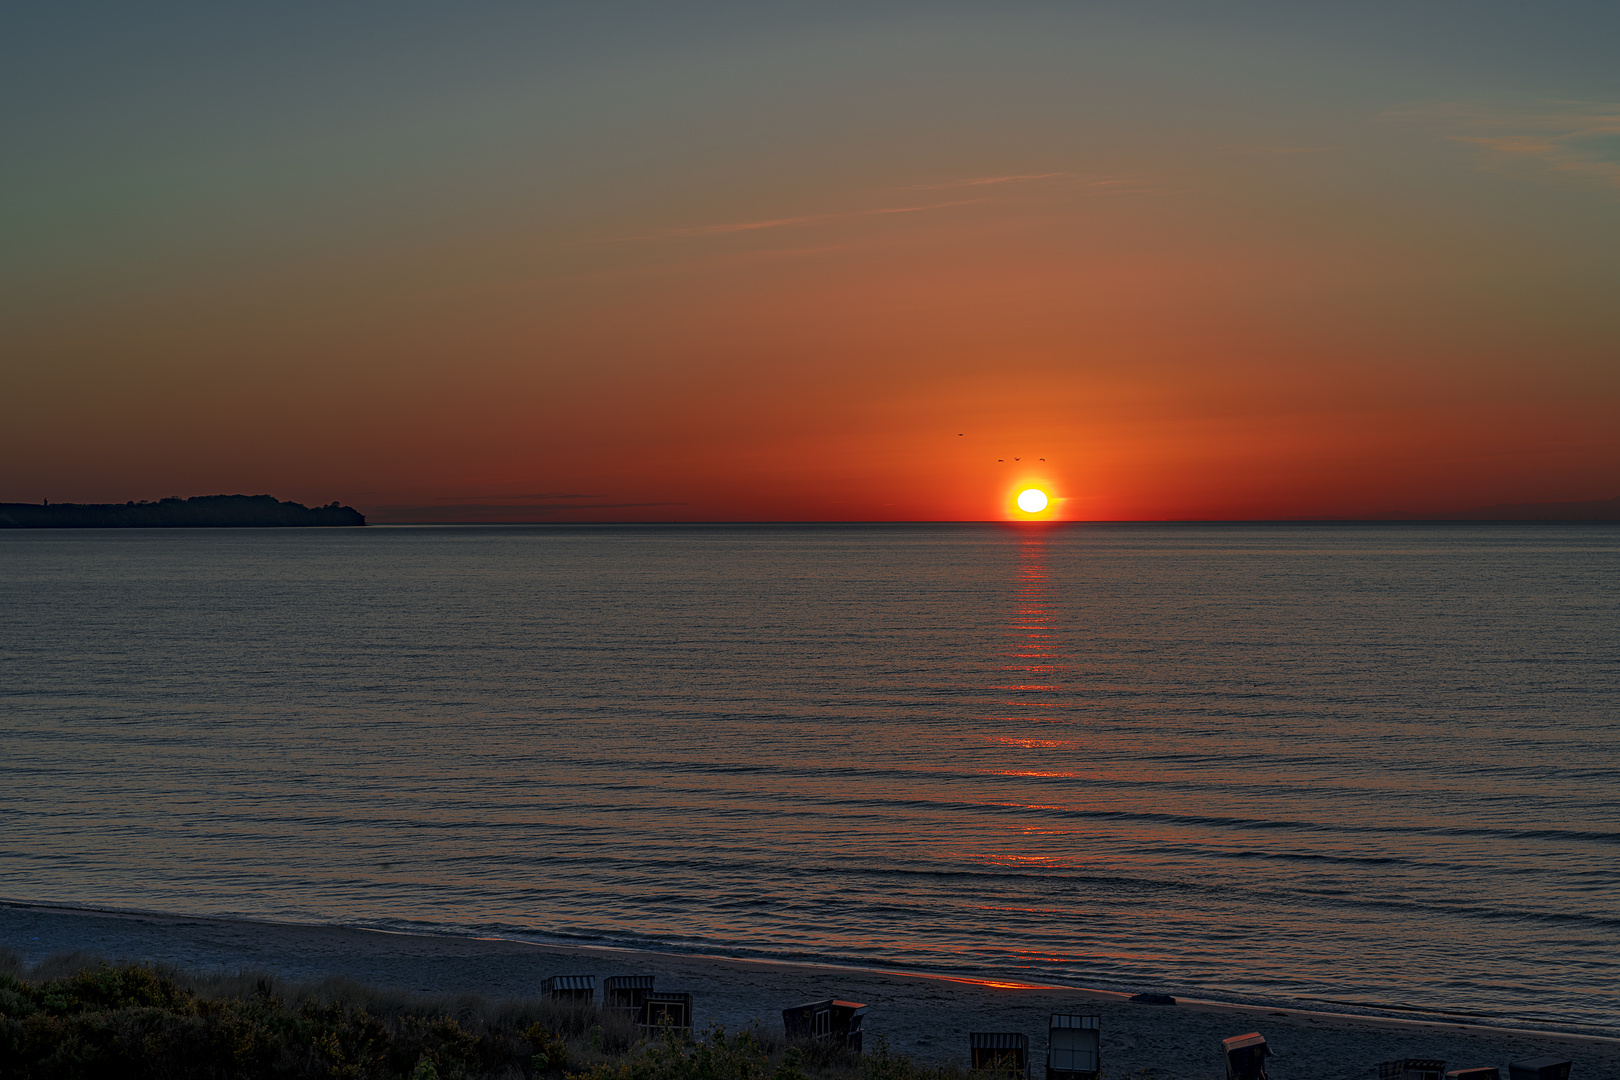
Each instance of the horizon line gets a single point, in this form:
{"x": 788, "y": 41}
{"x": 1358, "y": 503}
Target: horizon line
{"x": 1065, "y": 521}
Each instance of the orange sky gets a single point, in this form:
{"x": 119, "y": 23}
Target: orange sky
{"x": 847, "y": 269}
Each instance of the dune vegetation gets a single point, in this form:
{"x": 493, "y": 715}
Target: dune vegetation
{"x": 75, "y": 1016}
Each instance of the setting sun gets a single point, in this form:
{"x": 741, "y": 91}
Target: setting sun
{"x": 1032, "y": 500}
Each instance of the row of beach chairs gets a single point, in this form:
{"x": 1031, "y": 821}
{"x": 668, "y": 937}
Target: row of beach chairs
{"x": 1074, "y": 1052}
{"x": 633, "y": 997}
{"x": 1546, "y": 1068}
{"x": 1073, "y": 1041}
{"x": 1073, "y": 1049}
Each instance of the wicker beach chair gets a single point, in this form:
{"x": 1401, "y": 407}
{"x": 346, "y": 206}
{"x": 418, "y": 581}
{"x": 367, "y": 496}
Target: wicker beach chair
{"x": 625, "y": 994}
{"x": 829, "y": 1020}
{"x": 1074, "y": 1047}
{"x": 580, "y": 988}
{"x": 1412, "y": 1069}
{"x": 661, "y": 1010}
{"x": 1246, "y": 1056}
{"x": 999, "y": 1051}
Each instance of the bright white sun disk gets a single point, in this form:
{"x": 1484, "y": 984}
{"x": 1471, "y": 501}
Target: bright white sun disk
{"x": 1032, "y": 500}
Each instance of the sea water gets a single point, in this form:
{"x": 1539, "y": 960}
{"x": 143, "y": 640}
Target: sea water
{"x": 1365, "y": 764}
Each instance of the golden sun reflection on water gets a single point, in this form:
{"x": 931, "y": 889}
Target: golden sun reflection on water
{"x": 1032, "y": 772}
{"x": 1030, "y": 635}
{"x": 1025, "y": 743}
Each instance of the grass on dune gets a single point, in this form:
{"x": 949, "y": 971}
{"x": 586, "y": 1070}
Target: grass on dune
{"x": 75, "y": 1016}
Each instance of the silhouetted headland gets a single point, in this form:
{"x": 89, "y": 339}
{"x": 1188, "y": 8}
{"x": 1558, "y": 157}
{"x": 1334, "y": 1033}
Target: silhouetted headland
{"x": 200, "y": 512}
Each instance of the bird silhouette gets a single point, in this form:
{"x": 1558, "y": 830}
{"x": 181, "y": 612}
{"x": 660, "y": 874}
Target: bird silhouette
{"x": 1043, "y": 459}
{"x": 1018, "y": 459}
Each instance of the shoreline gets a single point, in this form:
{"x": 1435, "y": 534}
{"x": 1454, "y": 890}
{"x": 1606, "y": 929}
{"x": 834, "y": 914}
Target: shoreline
{"x": 1420, "y": 1018}
{"x": 924, "y": 1014}
{"x": 1117, "y": 996}
{"x": 1368, "y": 1014}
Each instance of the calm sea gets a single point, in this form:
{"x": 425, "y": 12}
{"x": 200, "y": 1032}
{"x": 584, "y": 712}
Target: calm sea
{"x": 1370, "y": 764}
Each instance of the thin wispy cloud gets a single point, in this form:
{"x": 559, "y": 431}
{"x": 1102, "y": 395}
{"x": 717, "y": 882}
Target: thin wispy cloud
{"x": 1567, "y": 138}
{"x": 800, "y": 221}
{"x": 1125, "y": 185}
{"x": 985, "y": 181}
{"x": 1101, "y": 184}
{"x": 1063, "y": 181}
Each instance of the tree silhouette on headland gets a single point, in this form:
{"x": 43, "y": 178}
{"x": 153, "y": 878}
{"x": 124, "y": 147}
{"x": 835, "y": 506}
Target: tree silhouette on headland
{"x": 199, "y": 512}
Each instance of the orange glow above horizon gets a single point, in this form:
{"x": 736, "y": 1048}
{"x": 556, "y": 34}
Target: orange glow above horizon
{"x": 787, "y": 275}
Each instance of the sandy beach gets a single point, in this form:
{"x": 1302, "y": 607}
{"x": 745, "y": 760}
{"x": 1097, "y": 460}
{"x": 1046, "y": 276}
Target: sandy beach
{"x": 925, "y": 1016}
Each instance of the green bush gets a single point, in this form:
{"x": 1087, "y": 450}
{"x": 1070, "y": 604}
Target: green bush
{"x": 715, "y": 1056}
{"x": 138, "y": 1021}
{"x": 882, "y": 1064}
{"x": 73, "y": 1018}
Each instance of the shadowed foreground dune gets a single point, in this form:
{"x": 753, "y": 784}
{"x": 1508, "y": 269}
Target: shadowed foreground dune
{"x": 927, "y": 1019}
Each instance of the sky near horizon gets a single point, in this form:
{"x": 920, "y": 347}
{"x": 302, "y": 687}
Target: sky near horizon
{"x": 812, "y": 262}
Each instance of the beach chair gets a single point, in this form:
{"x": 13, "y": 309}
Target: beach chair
{"x": 1544, "y": 1068}
{"x": 580, "y": 988}
{"x": 1412, "y": 1069}
{"x": 1484, "y": 1072}
{"x": 999, "y": 1051}
{"x": 830, "y": 1020}
{"x": 1246, "y": 1056}
{"x": 625, "y": 994}
{"x": 1074, "y": 1047}
{"x": 659, "y": 1010}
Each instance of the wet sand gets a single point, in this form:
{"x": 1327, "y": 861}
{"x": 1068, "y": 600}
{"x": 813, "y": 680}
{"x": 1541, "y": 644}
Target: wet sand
{"x": 928, "y": 1017}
